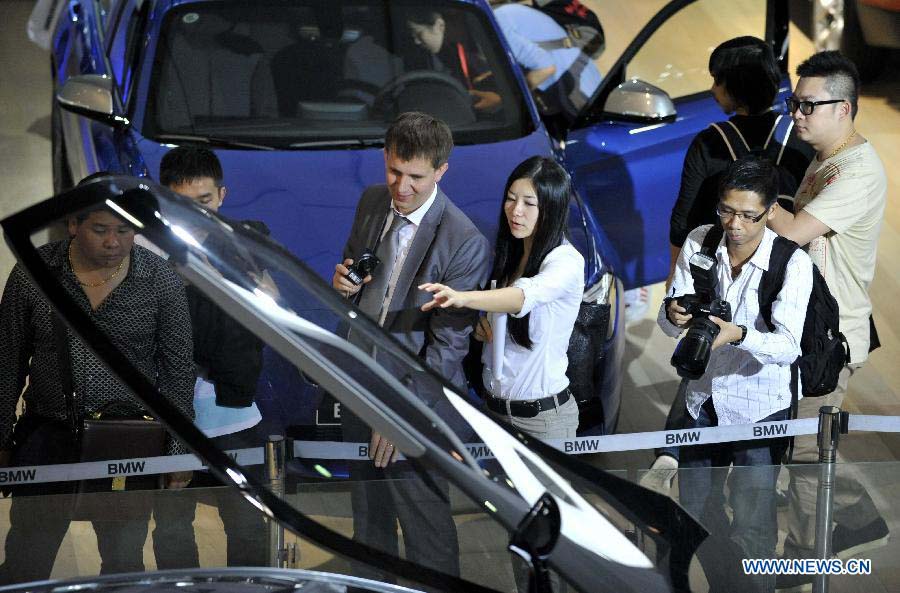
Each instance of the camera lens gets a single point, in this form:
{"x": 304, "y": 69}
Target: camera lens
{"x": 692, "y": 353}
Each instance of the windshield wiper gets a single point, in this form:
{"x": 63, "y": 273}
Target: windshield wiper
{"x": 213, "y": 141}
{"x": 342, "y": 143}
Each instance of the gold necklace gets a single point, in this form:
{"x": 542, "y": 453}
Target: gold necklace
{"x": 95, "y": 284}
{"x": 843, "y": 144}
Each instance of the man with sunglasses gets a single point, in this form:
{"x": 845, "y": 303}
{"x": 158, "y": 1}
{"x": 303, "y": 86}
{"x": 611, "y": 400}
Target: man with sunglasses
{"x": 838, "y": 210}
{"x": 748, "y": 376}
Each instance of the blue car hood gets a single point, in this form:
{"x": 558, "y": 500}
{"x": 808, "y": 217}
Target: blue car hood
{"x": 308, "y": 198}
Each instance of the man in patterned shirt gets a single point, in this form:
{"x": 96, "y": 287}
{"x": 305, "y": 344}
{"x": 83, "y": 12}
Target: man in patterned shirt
{"x": 136, "y": 299}
{"x": 838, "y": 211}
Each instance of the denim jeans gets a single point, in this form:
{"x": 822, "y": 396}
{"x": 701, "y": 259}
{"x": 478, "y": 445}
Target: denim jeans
{"x": 753, "y": 530}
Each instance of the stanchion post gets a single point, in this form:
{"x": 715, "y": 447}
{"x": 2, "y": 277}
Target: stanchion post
{"x": 828, "y": 437}
{"x": 275, "y": 461}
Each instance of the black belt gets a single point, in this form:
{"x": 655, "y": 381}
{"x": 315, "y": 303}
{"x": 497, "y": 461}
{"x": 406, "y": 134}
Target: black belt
{"x": 529, "y": 408}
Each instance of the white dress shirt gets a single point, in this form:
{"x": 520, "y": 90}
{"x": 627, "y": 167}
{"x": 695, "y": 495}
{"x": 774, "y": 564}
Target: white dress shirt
{"x": 405, "y": 238}
{"x": 750, "y": 381}
{"x": 553, "y": 297}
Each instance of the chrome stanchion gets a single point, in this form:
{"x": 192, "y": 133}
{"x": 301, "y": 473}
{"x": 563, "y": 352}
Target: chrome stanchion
{"x": 275, "y": 460}
{"x": 830, "y": 424}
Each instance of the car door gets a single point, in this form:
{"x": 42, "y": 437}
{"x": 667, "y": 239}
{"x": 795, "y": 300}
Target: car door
{"x": 530, "y": 490}
{"x": 626, "y": 161}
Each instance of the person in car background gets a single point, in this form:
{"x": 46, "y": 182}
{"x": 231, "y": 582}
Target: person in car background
{"x": 561, "y": 77}
{"x": 453, "y": 51}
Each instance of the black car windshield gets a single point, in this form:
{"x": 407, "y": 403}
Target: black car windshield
{"x": 314, "y": 74}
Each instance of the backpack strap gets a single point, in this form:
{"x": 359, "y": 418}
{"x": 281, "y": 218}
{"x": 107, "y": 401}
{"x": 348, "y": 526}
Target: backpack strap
{"x": 781, "y": 140}
{"x": 718, "y": 128}
{"x": 773, "y": 278}
{"x": 711, "y": 240}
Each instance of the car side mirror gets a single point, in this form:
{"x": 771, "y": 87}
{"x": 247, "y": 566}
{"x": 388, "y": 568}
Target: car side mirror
{"x": 91, "y": 95}
{"x": 636, "y": 100}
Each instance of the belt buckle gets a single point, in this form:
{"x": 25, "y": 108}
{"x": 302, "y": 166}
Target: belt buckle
{"x": 532, "y": 407}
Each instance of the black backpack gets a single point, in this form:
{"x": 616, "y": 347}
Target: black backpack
{"x": 773, "y": 150}
{"x": 582, "y": 25}
{"x": 823, "y": 348}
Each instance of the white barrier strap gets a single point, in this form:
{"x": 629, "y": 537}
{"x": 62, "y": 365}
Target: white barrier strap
{"x": 360, "y": 451}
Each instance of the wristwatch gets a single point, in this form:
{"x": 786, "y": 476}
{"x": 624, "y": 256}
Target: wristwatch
{"x": 743, "y": 335}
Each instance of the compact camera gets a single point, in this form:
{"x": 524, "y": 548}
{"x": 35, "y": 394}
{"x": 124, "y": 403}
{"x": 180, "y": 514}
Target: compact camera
{"x": 691, "y": 355}
{"x": 362, "y": 267}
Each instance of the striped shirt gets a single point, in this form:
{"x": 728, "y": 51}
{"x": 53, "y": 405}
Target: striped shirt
{"x": 750, "y": 381}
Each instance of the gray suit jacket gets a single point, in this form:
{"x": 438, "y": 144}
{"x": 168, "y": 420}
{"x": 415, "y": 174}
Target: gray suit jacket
{"x": 447, "y": 248}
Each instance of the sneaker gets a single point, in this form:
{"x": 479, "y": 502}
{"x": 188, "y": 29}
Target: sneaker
{"x": 660, "y": 475}
{"x": 637, "y": 302}
{"x": 848, "y": 543}
{"x": 794, "y": 583}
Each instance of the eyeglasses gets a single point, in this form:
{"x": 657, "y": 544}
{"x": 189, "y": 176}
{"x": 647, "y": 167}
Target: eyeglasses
{"x": 728, "y": 214}
{"x": 807, "y": 107}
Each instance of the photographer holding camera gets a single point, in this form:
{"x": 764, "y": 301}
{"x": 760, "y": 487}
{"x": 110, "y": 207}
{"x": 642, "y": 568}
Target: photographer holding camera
{"x": 740, "y": 368}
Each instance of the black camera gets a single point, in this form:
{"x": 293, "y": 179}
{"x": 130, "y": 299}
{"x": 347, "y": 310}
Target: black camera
{"x": 692, "y": 353}
{"x": 362, "y": 267}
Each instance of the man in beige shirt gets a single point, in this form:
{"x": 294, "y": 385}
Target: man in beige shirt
{"x": 837, "y": 215}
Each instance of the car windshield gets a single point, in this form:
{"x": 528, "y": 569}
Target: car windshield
{"x": 330, "y": 378}
{"x": 311, "y": 74}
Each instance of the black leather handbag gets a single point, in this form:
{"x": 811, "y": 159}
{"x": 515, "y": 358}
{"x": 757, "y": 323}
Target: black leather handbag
{"x": 119, "y": 431}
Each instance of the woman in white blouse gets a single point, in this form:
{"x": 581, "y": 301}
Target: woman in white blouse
{"x": 539, "y": 279}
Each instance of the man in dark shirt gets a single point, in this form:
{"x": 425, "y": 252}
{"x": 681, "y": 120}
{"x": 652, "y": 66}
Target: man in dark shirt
{"x": 136, "y": 299}
{"x": 228, "y": 359}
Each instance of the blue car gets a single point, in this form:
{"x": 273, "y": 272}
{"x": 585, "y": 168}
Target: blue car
{"x": 294, "y": 97}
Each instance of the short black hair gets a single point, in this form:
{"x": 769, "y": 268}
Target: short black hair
{"x": 751, "y": 173}
{"x": 840, "y": 74}
{"x": 415, "y": 135}
{"x": 747, "y": 68}
{"x": 422, "y": 16}
{"x": 184, "y": 164}
{"x": 83, "y": 214}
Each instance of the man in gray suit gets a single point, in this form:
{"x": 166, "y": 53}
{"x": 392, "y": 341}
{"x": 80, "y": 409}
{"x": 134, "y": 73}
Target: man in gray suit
{"x": 420, "y": 236}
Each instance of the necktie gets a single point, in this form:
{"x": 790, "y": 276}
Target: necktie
{"x": 374, "y": 293}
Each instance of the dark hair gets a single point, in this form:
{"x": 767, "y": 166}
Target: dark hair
{"x": 418, "y": 135}
{"x": 751, "y": 173}
{"x": 422, "y": 16}
{"x": 184, "y": 164}
{"x": 840, "y": 74}
{"x": 83, "y": 214}
{"x": 746, "y": 67}
{"x": 553, "y": 188}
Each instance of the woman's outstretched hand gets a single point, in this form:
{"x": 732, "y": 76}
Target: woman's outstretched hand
{"x": 443, "y": 296}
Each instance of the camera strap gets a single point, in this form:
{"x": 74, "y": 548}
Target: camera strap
{"x": 711, "y": 240}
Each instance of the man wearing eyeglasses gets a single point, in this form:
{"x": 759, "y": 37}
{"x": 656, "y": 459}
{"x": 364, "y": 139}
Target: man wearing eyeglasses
{"x": 747, "y": 379}
{"x": 837, "y": 216}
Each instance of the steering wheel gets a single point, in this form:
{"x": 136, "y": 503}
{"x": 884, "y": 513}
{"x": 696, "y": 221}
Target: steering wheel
{"x": 390, "y": 92}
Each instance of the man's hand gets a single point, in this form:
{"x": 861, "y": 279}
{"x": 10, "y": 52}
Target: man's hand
{"x": 178, "y": 480}
{"x": 443, "y": 296}
{"x": 381, "y": 451}
{"x": 485, "y": 100}
{"x": 677, "y": 314}
{"x": 728, "y": 332}
{"x": 340, "y": 282}
{"x": 483, "y": 331}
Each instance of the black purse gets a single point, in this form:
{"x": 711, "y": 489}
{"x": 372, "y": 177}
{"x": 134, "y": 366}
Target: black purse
{"x": 118, "y": 431}
{"x": 585, "y": 354}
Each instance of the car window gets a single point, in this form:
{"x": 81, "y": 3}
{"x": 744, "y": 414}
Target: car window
{"x": 466, "y": 482}
{"x": 308, "y": 74}
{"x": 676, "y": 57}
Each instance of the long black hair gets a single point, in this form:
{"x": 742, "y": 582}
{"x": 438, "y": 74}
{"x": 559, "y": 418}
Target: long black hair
{"x": 553, "y": 189}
